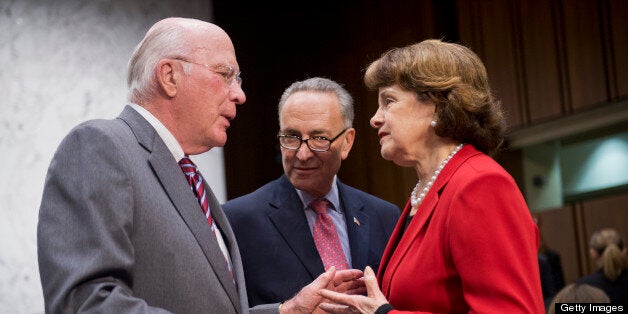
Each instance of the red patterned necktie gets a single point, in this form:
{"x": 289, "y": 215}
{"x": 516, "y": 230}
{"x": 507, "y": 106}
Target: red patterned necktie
{"x": 198, "y": 187}
{"x": 326, "y": 237}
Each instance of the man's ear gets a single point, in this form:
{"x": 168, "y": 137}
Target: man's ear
{"x": 168, "y": 76}
{"x": 349, "y": 137}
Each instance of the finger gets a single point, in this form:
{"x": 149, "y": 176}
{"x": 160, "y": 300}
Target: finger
{"x": 325, "y": 279}
{"x": 308, "y": 298}
{"x": 357, "y": 291}
{"x": 350, "y": 285}
{"x": 347, "y": 275}
{"x": 336, "y": 297}
{"x": 335, "y": 308}
{"x": 370, "y": 281}
{"x": 372, "y": 288}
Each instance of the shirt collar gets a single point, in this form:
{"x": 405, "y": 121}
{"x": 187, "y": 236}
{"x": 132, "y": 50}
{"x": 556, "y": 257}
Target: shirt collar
{"x": 163, "y": 132}
{"x": 332, "y": 197}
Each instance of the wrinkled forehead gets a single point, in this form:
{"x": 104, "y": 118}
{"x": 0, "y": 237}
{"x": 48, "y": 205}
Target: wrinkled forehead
{"x": 311, "y": 109}
{"x": 213, "y": 45}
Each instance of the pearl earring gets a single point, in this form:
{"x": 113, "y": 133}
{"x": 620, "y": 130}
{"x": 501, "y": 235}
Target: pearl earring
{"x": 433, "y": 123}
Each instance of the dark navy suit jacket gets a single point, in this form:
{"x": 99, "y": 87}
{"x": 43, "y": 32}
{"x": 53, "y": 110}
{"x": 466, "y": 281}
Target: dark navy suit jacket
{"x": 278, "y": 252}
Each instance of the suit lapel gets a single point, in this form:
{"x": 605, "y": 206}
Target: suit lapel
{"x": 393, "y": 256}
{"x": 174, "y": 183}
{"x": 227, "y": 233}
{"x": 289, "y": 219}
{"x": 385, "y": 265}
{"x": 358, "y": 226}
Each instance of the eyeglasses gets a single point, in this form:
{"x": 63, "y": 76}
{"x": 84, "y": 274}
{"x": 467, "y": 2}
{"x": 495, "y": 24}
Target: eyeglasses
{"x": 230, "y": 75}
{"x": 315, "y": 143}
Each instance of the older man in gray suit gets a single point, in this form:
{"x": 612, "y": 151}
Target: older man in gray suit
{"x": 126, "y": 222}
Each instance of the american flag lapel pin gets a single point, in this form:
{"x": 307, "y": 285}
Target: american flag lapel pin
{"x": 356, "y": 221}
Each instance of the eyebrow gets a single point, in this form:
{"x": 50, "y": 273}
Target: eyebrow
{"x": 386, "y": 93}
{"x": 311, "y": 133}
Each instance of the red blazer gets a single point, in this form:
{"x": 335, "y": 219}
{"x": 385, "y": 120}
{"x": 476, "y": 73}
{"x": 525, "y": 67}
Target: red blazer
{"x": 470, "y": 248}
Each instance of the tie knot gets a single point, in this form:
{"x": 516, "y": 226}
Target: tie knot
{"x": 187, "y": 165}
{"x": 319, "y": 205}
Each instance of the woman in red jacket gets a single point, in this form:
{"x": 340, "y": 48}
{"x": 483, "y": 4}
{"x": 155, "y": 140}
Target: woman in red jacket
{"x": 466, "y": 242}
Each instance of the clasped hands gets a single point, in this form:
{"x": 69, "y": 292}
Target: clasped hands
{"x": 342, "y": 291}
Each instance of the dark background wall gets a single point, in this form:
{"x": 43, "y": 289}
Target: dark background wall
{"x": 547, "y": 60}
{"x": 278, "y": 44}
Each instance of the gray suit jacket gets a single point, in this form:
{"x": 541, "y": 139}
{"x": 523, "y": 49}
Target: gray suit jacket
{"x": 121, "y": 231}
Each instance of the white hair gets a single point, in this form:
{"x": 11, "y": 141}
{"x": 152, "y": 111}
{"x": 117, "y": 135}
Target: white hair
{"x": 164, "y": 40}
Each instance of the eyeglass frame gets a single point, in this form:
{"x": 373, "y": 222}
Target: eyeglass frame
{"x": 235, "y": 77}
{"x": 331, "y": 141}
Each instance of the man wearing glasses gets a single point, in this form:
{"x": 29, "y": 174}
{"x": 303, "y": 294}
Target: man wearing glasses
{"x": 127, "y": 223}
{"x": 294, "y": 228}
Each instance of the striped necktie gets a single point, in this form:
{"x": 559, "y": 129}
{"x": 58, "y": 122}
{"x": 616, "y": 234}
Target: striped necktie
{"x": 198, "y": 187}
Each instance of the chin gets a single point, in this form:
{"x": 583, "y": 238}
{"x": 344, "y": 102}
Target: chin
{"x": 386, "y": 154}
{"x": 218, "y": 141}
{"x": 395, "y": 156}
{"x": 299, "y": 184}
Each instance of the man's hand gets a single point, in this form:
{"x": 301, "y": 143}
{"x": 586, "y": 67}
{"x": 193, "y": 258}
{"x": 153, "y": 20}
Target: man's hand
{"x": 308, "y": 299}
{"x": 343, "y": 303}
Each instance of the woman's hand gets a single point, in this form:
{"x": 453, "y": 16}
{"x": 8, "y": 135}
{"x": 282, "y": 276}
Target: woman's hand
{"x": 307, "y": 300}
{"x": 345, "y": 303}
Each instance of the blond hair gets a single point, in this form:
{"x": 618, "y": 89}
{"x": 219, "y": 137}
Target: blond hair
{"x": 609, "y": 245}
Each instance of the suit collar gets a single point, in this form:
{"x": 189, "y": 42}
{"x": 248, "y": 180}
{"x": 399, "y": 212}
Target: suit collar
{"x": 143, "y": 131}
{"x": 399, "y": 244}
{"x": 358, "y": 225}
{"x": 165, "y": 135}
{"x": 289, "y": 219}
{"x": 285, "y": 190}
{"x": 333, "y": 196}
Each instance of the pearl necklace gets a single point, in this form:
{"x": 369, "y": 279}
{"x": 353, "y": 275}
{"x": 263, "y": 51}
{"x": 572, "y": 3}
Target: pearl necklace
{"x": 416, "y": 200}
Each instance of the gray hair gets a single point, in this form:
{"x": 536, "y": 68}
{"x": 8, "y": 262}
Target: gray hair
{"x": 163, "y": 40}
{"x": 322, "y": 85}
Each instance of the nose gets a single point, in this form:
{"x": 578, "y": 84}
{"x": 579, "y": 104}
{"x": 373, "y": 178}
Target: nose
{"x": 304, "y": 152}
{"x": 376, "y": 119}
{"x": 236, "y": 94}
